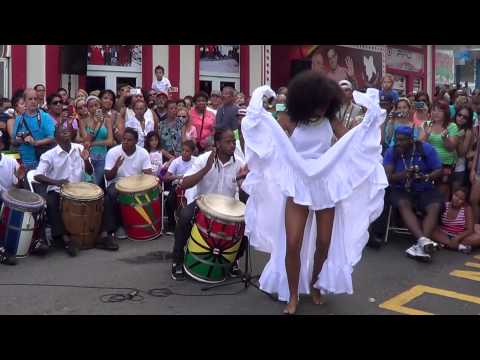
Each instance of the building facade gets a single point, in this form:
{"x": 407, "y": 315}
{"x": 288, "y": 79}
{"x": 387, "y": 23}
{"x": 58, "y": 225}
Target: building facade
{"x": 210, "y": 67}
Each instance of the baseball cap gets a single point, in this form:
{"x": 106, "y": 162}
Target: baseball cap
{"x": 345, "y": 84}
{"x": 386, "y": 97}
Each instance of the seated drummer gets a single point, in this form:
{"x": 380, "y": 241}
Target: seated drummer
{"x": 11, "y": 175}
{"x": 177, "y": 169}
{"x": 65, "y": 163}
{"x": 123, "y": 160}
{"x": 216, "y": 172}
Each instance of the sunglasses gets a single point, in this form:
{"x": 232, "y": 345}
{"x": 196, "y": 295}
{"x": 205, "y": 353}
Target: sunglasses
{"x": 182, "y": 117}
{"x": 56, "y": 102}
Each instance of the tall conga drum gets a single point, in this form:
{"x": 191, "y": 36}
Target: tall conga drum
{"x": 140, "y": 206}
{"x": 19, "y": 220}
{"x": 215, "y": 238}
{"x": 82, "y": 211}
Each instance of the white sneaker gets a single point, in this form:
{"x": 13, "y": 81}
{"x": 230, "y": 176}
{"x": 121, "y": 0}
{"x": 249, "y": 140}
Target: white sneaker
{"x": 466, "y": 249}
{"x": 120, "y": 233}
{"x": 427, "y": 245}
{"x": 416, "y": 252}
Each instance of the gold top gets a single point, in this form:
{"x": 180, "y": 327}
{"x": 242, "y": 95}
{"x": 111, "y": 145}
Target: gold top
{"x": 222, "y": 207}
{"x": 81, "y": 191}
{"x": 136, "y": 183}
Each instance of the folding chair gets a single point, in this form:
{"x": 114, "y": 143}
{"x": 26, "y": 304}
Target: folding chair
{"x": 396, "y": 229}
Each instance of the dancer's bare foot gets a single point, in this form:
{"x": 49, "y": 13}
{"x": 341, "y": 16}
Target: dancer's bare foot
{"x": 291, "y": 307}
{"x": 317, "y": 297}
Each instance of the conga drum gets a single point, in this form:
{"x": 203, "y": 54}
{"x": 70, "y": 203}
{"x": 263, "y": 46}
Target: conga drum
{"x": 18, "y": 220}
{"x": 215, "y": 238}
{"x": 82, "y": 210}
{"x": 140, "y": 206}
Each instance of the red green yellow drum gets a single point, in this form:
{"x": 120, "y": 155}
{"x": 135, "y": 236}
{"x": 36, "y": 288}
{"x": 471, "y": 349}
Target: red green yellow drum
{"x": 215, "y": 238}
{"x": 140, "y": 206}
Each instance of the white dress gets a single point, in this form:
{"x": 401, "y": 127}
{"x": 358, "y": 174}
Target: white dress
{"x": 348, "y": 176}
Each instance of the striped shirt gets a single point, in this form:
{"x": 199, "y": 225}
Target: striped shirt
{"x": 453, "y": 226}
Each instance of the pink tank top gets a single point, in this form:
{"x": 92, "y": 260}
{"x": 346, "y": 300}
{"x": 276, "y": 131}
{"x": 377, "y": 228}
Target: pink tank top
{"x": 453, "y": 226}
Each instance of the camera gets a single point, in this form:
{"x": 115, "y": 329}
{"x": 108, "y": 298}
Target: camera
{"x": 419, "y": 104}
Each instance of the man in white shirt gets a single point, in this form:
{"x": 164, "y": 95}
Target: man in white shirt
{"x": 11, "y": 174}
{"x": 217, "y": 171}
{"x": 161, "y": 83}
{"x": 123, "y": 160}
{"x": 175, "y": 173}
{"x": 65, "y": 163}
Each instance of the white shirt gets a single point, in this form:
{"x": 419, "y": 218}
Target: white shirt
{"x": 57, "y": 164}
{"x": 212, "y": 110}
{"x": 178, "y": 167}
{"x": 162, "y": 85}
{"x": 133, "y": 123}
{"x": 8, "y": 166}
{"x": 156, "y": 159}
{"x": 132, "y": 165}
{"x": 221, "y": 179}
{"x": 148, "y": 116}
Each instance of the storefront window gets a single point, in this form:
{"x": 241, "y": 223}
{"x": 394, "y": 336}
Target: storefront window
{"x": 115, "y": 55}
{"x": 219, "y": 64}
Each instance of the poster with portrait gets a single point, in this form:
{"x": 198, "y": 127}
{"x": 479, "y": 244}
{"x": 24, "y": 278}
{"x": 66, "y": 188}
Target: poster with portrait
{"x": 116, "y": 55}
{"x": 362, "y": 65}
{"x": 220, "y": 59}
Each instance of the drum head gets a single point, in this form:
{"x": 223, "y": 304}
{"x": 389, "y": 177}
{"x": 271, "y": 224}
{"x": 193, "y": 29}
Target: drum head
{"x": 136, "y": 183}
{"x": 222, "y": 207}
{"x": 82, "y": 191}
{"x": 23, "y": 200}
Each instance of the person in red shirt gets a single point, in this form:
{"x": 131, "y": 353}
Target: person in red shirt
{"x": 203, "y": 120}
{"x": 96, "y": 56}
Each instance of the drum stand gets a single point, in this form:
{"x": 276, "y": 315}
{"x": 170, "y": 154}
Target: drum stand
{"x": 246, "y": 277}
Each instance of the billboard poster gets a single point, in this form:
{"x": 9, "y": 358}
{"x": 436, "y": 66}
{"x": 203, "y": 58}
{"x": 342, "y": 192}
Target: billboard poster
{"x": 444, "y": 67}
{"x": 362, "y": 65}
{"x": 400, "y": 59}
{"x": 115, "y": 55}
{"x": 220, "y": 60}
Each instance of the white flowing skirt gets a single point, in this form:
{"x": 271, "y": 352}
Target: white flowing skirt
{"x": 349, "y": 177}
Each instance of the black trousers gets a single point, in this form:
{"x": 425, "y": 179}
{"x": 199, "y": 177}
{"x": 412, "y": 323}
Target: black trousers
{"x": 111, "y": 211}
{"x": 54, "y": 214}
{"x": 171, "y": 205}
{"x": 183, "y": 230}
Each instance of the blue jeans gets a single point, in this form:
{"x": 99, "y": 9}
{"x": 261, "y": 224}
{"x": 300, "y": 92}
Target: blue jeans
{"x": 99, "y": 171}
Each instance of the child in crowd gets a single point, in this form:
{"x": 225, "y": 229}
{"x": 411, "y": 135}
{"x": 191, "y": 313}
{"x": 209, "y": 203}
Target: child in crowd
{"x": 457, "y": 230}
{"x": 152, "y": 145}
{"x": 189, "y": 132}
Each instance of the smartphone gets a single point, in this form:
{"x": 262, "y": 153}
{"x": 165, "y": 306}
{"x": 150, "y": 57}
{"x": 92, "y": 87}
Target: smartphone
{"x": 173, "y": 89}
{"x": 397, "y": 114}
{"x": 99, "y": 113}
{"x": 135, "y": 92}
{"x": 419, "y": 105}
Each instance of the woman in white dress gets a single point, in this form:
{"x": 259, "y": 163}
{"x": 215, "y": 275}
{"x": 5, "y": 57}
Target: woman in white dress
{"x": 303, "y": 193}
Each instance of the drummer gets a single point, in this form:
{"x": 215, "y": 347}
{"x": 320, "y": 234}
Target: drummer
{"x": 11, "y": 175}
{"x": 177, "y": 169}
{"x": 65, "y": 163}
{"x": 123, "y": 160}
{"x": 217, "y": 172}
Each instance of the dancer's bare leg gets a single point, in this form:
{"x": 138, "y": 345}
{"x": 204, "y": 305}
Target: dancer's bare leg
{"x": 295, "y": 220}
{"x": 324, "y": 236}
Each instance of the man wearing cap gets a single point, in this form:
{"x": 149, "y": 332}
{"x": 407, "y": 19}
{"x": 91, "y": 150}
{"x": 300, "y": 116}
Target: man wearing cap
{"x": 350, "y": 114}
{"x": 411, "y": 167}
{"x": 160, "y": 107}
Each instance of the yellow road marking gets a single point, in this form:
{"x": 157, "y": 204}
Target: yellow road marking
{"x": 477, "y": 257}
{"x": 471, "y": 264}
{"x": 470, "y": 275}
{"x": 398, "y": 302}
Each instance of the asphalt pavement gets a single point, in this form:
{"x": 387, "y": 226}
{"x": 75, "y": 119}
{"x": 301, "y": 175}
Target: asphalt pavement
{"x": 385, "y": 282}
